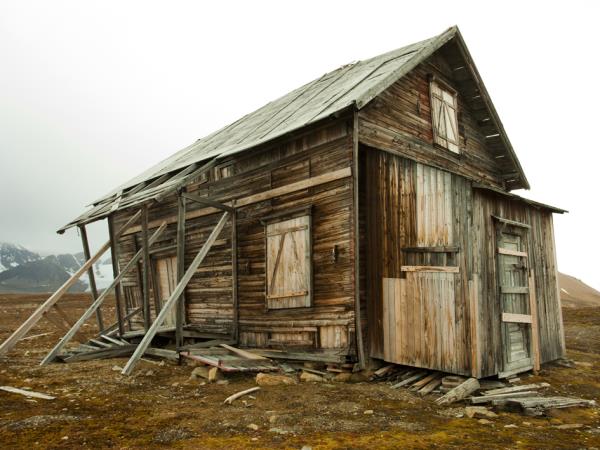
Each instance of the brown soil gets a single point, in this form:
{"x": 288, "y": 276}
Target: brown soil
{"x": 96, "y": 407}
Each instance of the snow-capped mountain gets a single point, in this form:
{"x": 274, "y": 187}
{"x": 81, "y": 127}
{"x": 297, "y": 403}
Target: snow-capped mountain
{"x": 12, "y": 255}
{"x": 24, "y": 270}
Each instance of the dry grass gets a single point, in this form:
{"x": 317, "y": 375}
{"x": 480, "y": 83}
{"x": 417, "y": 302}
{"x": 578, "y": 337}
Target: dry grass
{"x": 97, "y": 407}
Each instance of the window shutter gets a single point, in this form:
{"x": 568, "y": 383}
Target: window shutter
{"x": 289, "y": 270}
{"x": 444, "y": 117}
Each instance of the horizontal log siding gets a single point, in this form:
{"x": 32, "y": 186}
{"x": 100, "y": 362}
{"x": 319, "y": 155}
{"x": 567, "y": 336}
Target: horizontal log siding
{"x": 399, "y": 120}
{"x": 541, "y": 257}
{"x": 209, "y": 303}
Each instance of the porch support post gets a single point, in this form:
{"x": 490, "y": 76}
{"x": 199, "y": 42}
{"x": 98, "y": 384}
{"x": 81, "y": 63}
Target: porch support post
{"x": 180, "y": 311}
{"x": 160, "y": 318}
{"x": 234, "y": 277}
{"x": 91, "y": 276}
{"x": 114, "y": 256}
{"x": 355, "y": 222}
{"x": 146, "y": 269}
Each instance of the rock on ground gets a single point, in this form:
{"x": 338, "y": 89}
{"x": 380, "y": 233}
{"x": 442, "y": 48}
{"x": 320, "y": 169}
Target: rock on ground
{"x": 268, "y": 379}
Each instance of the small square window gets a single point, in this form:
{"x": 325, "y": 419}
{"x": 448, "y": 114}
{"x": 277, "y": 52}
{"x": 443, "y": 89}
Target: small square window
{"x": 444, "y": 116}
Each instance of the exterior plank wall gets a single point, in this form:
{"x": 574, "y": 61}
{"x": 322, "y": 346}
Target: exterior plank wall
{"x": 392, "y": 242}
{"x": 329, "y": 322}
{"x": 542, "y": 259}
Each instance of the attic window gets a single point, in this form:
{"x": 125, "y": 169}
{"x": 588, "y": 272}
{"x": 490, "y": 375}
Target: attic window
{"x": 444, "y": 116}
{"x": 224, "y": 171}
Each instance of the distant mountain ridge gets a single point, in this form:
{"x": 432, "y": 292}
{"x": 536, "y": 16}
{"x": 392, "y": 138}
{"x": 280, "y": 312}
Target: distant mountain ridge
{"x": 574, "y": 293}
{"x": 12, "y": 255}
{"x": 22, "y": 270}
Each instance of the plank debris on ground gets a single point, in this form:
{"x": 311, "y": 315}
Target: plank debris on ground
{"x": 26, "y": 393}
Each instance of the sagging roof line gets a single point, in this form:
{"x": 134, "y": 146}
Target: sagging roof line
{"x": 349, "y": 86}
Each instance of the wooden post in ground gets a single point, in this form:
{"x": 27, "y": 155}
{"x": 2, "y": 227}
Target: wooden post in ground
{"x": 180, "y": 308}
{"x": 139, "y": 351}
{"x": 114, "y": 256}
{"x": 146, "y": 269}
{"x": 91, "y": 276}
{"x": 234, "y": 276}
{"x": 356, "y": 231}
{"x": 88, "y": 313}
{"x": 44, "y": 307}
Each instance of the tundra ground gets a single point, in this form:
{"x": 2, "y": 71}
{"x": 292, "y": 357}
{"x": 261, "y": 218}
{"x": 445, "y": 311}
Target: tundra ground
{"x": 160, "y": 407}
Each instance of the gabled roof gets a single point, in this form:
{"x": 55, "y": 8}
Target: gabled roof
{"x": 352, "y": 85}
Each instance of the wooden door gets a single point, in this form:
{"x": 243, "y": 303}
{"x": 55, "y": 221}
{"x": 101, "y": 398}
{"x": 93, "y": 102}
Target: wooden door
{"x": 514, "y": 302}
{"x": 166, "y": 270}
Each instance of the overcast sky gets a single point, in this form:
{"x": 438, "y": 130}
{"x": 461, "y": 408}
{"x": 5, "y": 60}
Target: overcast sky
{"x": 92, "y": 93}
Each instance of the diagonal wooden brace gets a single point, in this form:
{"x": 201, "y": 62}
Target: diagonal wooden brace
{"x": 139, "y": 351}
{"x": 34, "y": 318}
{"x": 87, "y": 314}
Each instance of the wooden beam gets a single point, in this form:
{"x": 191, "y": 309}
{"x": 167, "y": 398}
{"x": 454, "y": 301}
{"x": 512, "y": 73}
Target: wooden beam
{"x": 115, "y": 325}
{"x": 207, "y": 202}
{"x": 262, "y": 196}
{"x": 184, "y": 180}
{"x": 242, "y": 353}
{"x": 514, "y": 223}
{"x": 535, "y": 333}
{"x": 91, "y": 276}
{"x": 174, "y": 296}
{"x": 516, "y": 318}
{"x": 234, "y": 277}
{"x": 474, "y": 325}
{"x": 86, "y": 315}
{"x": 447, "y": 269}
{"x": 510, "y": 252}
{"x": 440, "y": 249}
{"x": 180, "y": 308}
{"x": 356, "y": 231}
{"x": 514, "y": 290}
{"x": 20, "y": 332}
{"x": 145, "y": 269}
{"x": 114, "y": 257}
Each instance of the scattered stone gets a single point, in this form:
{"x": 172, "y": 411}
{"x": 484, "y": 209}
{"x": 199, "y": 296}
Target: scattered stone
{"x": 308, "y": 377}
{"x": 252, "y": 426}
{"x": 222, "y": 382}
{"x": 511, "y": 425}
{"x": 479, "y": 412}
{"x": 565, "y": 362}
{"x": 116, "y": 368}
{"x": 343, "y": 377}
{"x": 149, "y": 373}
{"x": 569, "y": 426}
{"x": 484, "y": 421}
{"x": 306, "y": 447}
{"x": 514, "y": 380}
{"x": 368, "y": 412}
{"x": 211, "y": 374}
{"x": 65, "y": 438}
{"x": 273, "y": 419}
{"x": 175, "y": 384}
{"x": 268, "y": 379}
{"x": 278, "y": 430}
{"x": 527, "y": 424}
{"x": 360, "y": 377}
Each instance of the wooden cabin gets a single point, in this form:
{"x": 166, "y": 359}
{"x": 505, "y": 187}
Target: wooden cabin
{"x": 367, "y": 214}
